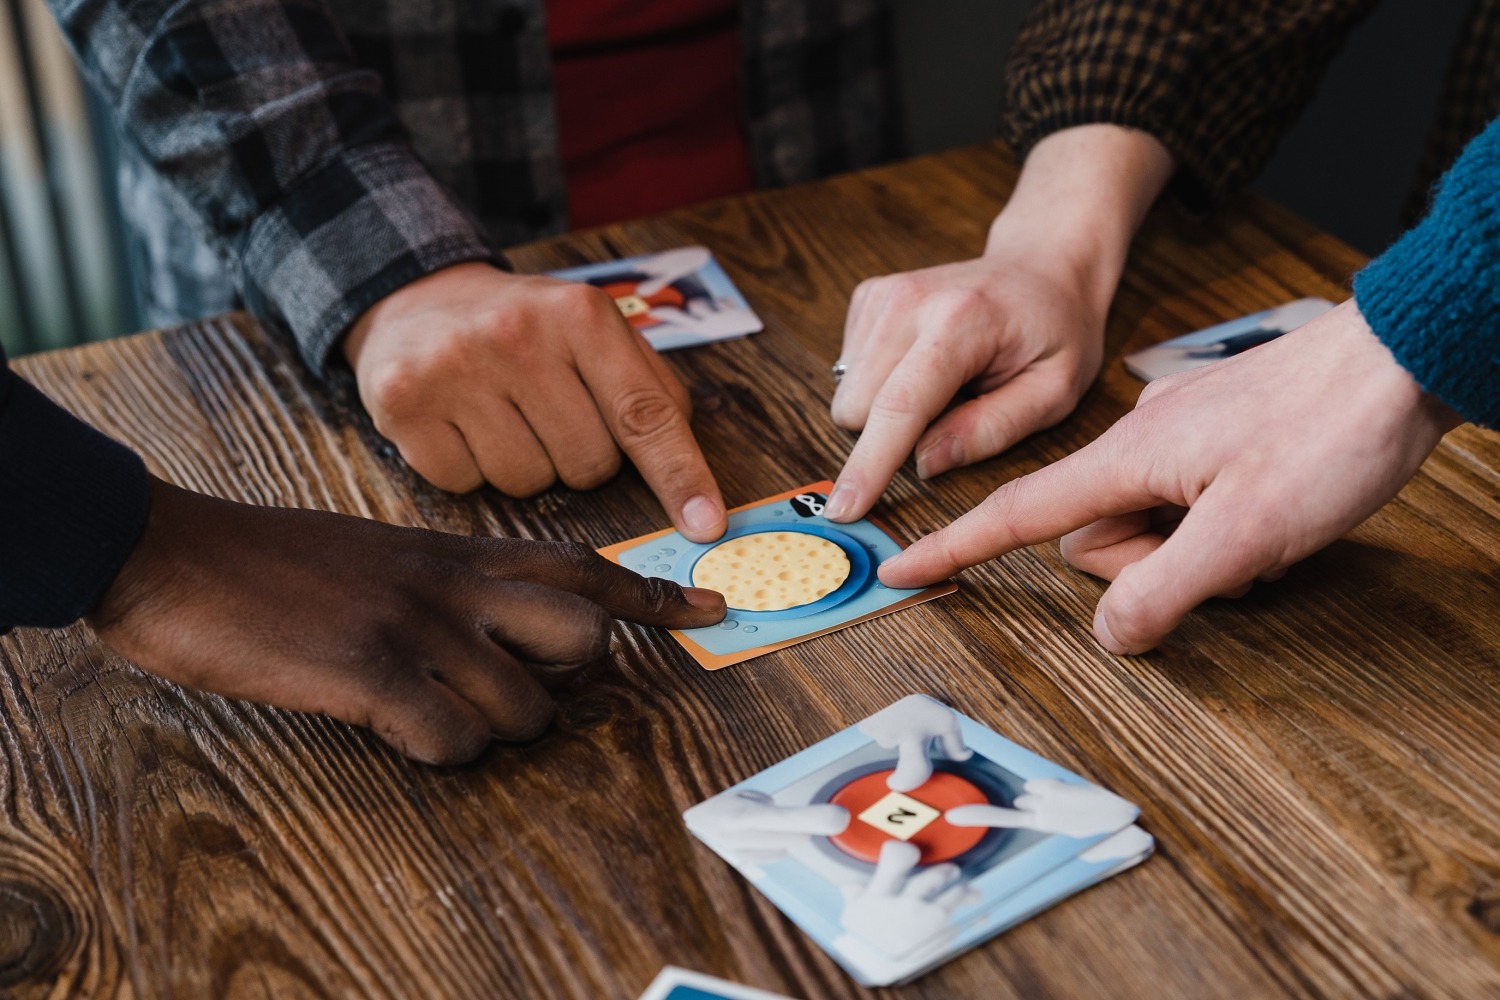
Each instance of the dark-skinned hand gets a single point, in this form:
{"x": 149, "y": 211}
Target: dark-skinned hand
{"x": 436, "y": 642}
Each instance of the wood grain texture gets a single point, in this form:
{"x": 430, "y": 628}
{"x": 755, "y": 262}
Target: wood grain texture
{"x": 1317, "y": 761}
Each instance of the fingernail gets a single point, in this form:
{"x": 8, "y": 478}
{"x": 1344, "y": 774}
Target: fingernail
{"x": 940, "y": 456}
{"x": 701, "y": 516}
{"x": 1105, "y": 637}
{"x": 840, "y": 502}
{"x": 704, "y": 600}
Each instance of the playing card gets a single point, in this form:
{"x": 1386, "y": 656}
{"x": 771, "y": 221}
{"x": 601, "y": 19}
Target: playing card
{"x": 788, "y": 574}
{"x": 915, "y": 834}
{"x": 673, "y": 983}
{"x": 676, "y": 298}
{"x": 1215, "y": 343}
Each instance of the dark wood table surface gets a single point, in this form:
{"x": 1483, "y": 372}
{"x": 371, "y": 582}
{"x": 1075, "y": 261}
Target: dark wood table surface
{"x": 1319, "y": 762}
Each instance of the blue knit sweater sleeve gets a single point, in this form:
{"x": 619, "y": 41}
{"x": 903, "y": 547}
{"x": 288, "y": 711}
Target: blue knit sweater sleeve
{"x": 73, "y": 504}
{"x": 1433, "y": 298}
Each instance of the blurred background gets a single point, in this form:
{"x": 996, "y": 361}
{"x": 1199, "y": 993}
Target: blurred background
{"x": 66, "y": 272}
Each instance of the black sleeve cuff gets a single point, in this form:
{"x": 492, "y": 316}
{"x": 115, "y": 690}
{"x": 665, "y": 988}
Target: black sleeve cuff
{"x": 73, "y": 504}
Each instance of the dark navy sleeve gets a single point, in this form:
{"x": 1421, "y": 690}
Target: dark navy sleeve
{"x": 1433, "y": 298}
{"x": 72, "y": 506}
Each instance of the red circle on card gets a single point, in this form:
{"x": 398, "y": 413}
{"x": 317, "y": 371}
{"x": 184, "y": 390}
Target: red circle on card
{"x": 938, "y": 840}
{"x": 668, "y": 296}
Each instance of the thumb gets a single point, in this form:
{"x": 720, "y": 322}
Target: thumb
{"x": 1223, "y": 543}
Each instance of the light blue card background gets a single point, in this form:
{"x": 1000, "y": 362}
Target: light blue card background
{"x": 816, "y": 904}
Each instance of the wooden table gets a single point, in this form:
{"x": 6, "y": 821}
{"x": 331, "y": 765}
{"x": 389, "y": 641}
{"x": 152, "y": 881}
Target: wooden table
{"x": 1318, "y": 761}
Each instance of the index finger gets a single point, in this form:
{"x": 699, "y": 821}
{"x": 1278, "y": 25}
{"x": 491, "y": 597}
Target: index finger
{"x": 623, "y": 593}
{"x": 646, "y": 422}
{"x": 1049, "y": 503}
{"x": 922, "y": 385}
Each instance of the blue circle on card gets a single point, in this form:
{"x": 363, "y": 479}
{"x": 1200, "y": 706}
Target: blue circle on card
{"x": 860, "y": 569}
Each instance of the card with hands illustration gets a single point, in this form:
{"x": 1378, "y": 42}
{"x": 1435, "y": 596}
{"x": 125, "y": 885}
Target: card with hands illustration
{"x": 915, "y": 834}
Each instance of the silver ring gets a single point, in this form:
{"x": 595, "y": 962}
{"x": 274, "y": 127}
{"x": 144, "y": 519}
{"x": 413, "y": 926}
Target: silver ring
{"x": 838, "y": 371}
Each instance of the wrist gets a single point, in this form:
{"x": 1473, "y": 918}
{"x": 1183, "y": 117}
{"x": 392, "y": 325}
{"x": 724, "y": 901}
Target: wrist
{"x": 151, "y": 564}
{"x": 1385, "y": 377}
{"x": 429, "y": 292}
{"x": 1082, "y": 194}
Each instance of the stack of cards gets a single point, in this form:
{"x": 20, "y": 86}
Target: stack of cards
{"x": 677, "y": 298}
{"x": 915, "y": 835}
{"x": 787, "y": 572}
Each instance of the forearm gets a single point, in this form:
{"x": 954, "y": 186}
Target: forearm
{"x": 1081, "y": 196}
{"x": 1217, "y": 83}
{"x": 285, "y": 148}
{"x": 72, "y": 505}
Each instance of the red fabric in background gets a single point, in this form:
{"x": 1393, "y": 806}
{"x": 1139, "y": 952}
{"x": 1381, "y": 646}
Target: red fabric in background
{"x": 648, "y": 104}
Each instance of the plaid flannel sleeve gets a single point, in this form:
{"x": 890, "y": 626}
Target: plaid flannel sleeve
{"x": 1217, "y": 81}
{"x": 284, "y": 149}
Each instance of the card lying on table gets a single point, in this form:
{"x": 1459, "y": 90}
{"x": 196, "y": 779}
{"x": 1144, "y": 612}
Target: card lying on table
{"x": 787, "y": 572}
{"x": 673, "y": 983}
{"x": 1215, "y": 343}
{"x": 677, "y": 298}
{"x": 915, "y": 835}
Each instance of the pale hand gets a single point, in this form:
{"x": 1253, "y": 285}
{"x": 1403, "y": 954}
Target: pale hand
{"x": 477, "y": 375}
{"x": 1019, "y": 329}
{"x": 1220, "y": 476}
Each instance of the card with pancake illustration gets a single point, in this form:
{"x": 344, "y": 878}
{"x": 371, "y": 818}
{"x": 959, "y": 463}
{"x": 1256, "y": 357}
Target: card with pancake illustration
{"x": 787, "y": 573}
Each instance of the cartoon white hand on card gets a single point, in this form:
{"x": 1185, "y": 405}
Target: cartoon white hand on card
{"x": 903, "y": 878}
{"x": 759, "y": 829}
{"x": 902, "y": 911}
{"x": 910, "y": 727}
{"x": 1053, "y": 807}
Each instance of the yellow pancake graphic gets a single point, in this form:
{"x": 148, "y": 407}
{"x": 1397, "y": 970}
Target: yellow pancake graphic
{"x": 772, "y": 570}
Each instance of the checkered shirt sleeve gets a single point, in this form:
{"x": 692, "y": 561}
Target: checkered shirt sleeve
{"x": 283, "y": 149}
{"x": 1217, "y": 81}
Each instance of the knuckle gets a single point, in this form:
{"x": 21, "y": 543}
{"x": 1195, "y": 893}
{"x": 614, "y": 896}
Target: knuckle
{"x": 645, "y": 413}
{"x": 899, "y": 398}
{"x": 396, "y": 393}
{"x": 902, "y": 291}
{"x": 453, "y": 477}
{"x": 591, "y": 473}
{"x": 954, "y": 306}
{"x": 531, "y": 720}
{"x": 1077, "y": 550}
{"x": 584, "y": 304}
{"x": 526, "y": 481}
{"x": 658, "y": 596}
{"x": 576, "y": 562}
{"x": 1130, "y": 613}
{"x": 1002, "y": 429}
{"x": 593, "y": 625}
{"x": 847, "y": 414}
